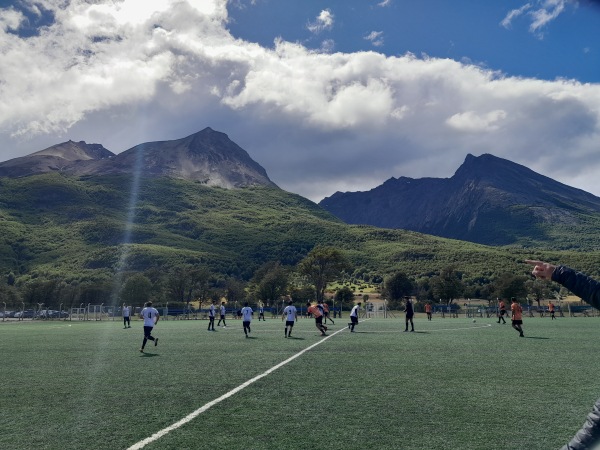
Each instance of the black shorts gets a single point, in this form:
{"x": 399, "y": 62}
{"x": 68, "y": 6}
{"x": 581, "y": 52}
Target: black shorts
{"x": 222, "y": 316}
{"x": 289, "y": 323}
{"x": 319, "y": 320}
{"x": 147, "y": 331}
{"x": 354, "y": 319}
{"x": 517, "y": 322}
{"x": 246, "y": 324}
{"x": 502, "y": 312}
{"x": 409, "y": 316}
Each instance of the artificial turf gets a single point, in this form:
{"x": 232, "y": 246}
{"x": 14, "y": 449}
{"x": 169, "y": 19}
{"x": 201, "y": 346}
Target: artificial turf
{"x": 450, "y": 384}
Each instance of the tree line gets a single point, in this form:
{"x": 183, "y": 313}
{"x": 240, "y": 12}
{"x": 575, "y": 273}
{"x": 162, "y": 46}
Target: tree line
{"x": 306, "y": 281}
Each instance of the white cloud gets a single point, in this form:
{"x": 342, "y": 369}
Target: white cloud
{"x": 540, "y": 14}
{"x": 376, "y": 38}
{"x": 317, "y": 121}
{"x": 471, "y": 121}
{"x": 384, "y": 3}
{"x": 324, "y": 21}
{"x": 507, "y": 21}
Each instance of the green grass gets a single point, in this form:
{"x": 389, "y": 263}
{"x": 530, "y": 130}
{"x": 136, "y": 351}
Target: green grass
{"x": 452, "y": 384}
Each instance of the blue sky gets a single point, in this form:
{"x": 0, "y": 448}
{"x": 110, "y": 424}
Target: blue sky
{"x": 567, "y": 46}
{"x": 326, "y": 95}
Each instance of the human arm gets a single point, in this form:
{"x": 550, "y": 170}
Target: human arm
{"x": 578, "y": 283}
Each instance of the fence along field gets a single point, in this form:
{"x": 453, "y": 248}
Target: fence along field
{"x": 450, "y": 384}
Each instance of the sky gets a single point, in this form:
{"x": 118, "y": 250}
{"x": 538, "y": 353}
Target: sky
{"x": 327, "y": 96}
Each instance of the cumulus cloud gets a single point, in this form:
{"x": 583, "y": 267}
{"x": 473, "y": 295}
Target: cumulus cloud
{"x": 112, "y": 73}
{"x": 324, "y": 21}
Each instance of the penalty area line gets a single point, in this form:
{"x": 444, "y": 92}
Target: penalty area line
{"x": 225, "y": 396}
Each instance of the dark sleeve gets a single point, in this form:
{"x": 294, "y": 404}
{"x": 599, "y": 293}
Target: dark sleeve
{"x": 589, "y": 434}
{"x": 579, "y": 284}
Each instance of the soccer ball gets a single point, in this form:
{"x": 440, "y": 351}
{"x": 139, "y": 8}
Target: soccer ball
{"x": 474, "y": 320}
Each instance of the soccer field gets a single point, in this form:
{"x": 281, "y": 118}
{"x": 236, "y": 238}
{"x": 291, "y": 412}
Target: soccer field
{"x": 451, "y": 384}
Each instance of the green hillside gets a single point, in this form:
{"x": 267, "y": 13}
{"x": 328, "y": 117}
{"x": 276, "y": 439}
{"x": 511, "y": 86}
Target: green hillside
{"x": 77, "y": 229}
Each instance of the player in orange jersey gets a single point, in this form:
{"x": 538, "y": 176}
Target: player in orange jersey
{"x": 318, "y": 315}
{"x": 501, "y": 311}
{"x": 517, "y": 316}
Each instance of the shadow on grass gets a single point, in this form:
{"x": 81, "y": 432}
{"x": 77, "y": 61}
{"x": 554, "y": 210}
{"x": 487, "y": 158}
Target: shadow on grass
{"x": 250, "y": 337}
{"x": 297, "y": 338}
{"x": 148, "y": 355}
{"x": 536, "y": 337}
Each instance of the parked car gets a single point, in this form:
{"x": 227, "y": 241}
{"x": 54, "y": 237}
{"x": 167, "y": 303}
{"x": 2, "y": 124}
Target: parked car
{"x": 27, "y": 314}
{"x": 52, "y": 314}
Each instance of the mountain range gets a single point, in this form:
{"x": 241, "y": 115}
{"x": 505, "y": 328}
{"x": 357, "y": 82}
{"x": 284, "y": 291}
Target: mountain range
{"x": 208, "y": 157}
{"x": 489, "y": 200}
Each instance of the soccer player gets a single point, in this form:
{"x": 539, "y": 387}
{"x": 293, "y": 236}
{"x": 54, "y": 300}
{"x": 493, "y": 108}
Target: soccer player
{"x": 246, "y": 318}
{"x": 261, "y": 312}
{"x": 151, "y": 318}
{"x": 291, "y": 316}
{"x": 126, "y": 316}
{"x": 517, "y": 316}
{"x": 318, "y": 315}
{"x": 502, "y": 311}
{"x": 428, "y": 310}
{"x": 222, "y": 318}
{"x": 589, "y": 290}
{"x": 551, "y": 309}
{"x": 325, "y": 307}
{"x": 211, "y": 316}
{"x": 354, "y": 316}
{"x": 409, "y": 314}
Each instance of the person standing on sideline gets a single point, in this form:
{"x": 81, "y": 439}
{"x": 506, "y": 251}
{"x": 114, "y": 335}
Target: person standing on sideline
{"x": 326, "y": 313}
{"x": 211, "y": 316}
{"x": 428, "y": 310}
{"x": 409, "y": 313}
{"x": 261, "y": 312}
{"x": 551, "y": 309}
{"x": 517, "y": 316}
{"x": 151, "y": 318}
{"x": 588, "y": 290}
{"x": 354, "y": 316}
{"x": 126, "y": 316}
{"x": 318, "y": 315}
{"x": 291, "y": 316}
{"x": 246, "y": 318}
{"x": 501, "y": 311}
{"x": 222, "y": 313}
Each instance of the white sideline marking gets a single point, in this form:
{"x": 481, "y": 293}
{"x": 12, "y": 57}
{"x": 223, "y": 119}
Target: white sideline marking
{"x": 209, "y": 405}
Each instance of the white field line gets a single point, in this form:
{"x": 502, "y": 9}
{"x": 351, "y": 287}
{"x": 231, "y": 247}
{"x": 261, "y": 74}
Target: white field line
{"x": 234, "y": 391}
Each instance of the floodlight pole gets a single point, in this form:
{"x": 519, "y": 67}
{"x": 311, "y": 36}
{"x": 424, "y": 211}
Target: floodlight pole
{"x": 22, "y": 311}
{"x": 59, "y": 311}
{"x": 4, "y": 315}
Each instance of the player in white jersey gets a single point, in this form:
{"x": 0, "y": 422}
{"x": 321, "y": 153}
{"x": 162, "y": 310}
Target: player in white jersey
{"x": 151, "y": 318}
{"x": 222, "y": 312}
{"x": 354, "y": 316}
{"x": 126, "y": 316}
{"x": 291, "y": 316}
{"x": 211, "y": 316}
{"x": 246, "y": 318}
